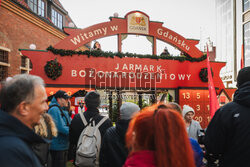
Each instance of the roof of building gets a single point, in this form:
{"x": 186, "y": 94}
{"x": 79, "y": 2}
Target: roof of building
{"x": 22, "y": 2}
{"x": 59, "y": 4}
{"x": 228, "y": 92}
{"x": 48, "y": 20}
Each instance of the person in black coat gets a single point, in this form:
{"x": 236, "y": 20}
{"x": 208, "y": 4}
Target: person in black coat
{"x": 23, "y": 101}
{"x": 47, "y": 130}
{"x": 228, "y": 134}
{"x": 113, "y": 151}
{"x": 92, "y": 101}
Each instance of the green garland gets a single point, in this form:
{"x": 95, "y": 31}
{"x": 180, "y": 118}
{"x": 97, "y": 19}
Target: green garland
{"x": 98, "y": 53}
{"x": 53, "y": 69}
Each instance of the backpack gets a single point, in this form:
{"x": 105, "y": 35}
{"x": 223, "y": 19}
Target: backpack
{"x": 89, "y": 142}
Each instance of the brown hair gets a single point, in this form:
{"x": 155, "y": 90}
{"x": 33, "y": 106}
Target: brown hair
{"x": 162, "y": 130}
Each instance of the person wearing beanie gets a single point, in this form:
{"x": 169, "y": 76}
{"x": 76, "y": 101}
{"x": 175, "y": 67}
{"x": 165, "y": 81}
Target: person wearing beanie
{"x": 227, "y": 135}
{"x": 92, "y": 102}
{"x": 113, "y": 151}
{"x": 193, "y": 127}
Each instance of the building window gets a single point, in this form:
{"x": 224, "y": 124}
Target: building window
{"x": 4, "y": 56}
{"x": 23, "y": 61}
{"x": 25, "y": 65}
{"x": 4, "y": 60}
{"x": 247, "y": 43}
{"x": 37, "y": 6}
{"x": 57, "y": 19}
{"x": 246, "y": 5}
{"x": 33, "y": 5}
{"x": 41, "y": 8}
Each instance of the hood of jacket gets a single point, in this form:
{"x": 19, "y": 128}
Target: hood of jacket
{"x": 53, "y": 102}
{"x": 242, "y": 94}
{"x": 47, "y": 127}
{"x": 11, "y": 126}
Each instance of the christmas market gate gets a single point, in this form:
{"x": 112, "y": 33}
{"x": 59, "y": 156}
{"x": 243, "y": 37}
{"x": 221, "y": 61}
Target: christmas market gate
{"x": 65, "y": 65}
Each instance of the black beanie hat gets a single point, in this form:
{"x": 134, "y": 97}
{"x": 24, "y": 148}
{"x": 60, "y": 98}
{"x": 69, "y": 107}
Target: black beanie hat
{"x": 243, "y": 76}
{"x": 92, "y": 99}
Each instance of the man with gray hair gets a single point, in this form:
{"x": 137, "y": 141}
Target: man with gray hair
{"x": 23, "y": 100}
{"x": 113, "y": 151}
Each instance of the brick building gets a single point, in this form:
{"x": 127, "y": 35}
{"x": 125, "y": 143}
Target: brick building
{"x": 27, "y": 24}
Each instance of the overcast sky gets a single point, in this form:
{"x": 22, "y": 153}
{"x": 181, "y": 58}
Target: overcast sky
{"x": 193, "y": 19}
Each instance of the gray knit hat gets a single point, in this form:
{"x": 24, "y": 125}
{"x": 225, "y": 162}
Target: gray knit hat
{"x": 127, "y": 110}
{"x": 186, "y": 109}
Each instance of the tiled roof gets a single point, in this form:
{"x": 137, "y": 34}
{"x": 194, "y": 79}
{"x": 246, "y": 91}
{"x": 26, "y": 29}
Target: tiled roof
{"x": 59, "y": 4}
{"x": 22, "y": 2}
{"x": 68, "y": 20}
{"x": 24, "y": 5}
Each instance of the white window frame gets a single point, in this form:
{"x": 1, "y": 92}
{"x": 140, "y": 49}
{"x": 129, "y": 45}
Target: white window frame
{"x": 57, "y": 18}
{"x": 6, "y": 50}
{"x": 27, "y": 65}
{"x": 37, "y": 6}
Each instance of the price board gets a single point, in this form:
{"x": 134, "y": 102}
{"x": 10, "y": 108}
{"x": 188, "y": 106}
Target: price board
{"x": 199, "y": 100}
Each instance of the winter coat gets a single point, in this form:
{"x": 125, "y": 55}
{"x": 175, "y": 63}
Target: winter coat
{"x": 47, "y": 130}
{"x": 198, "y": 154}
{"x": 194, "y": 130}
{"x": 228, "y": 133}
{"x": 141, "y": 158}
{"x": 61, "y": 142}
{"x": 113, "y": 151}
{"x": 16, "y": 140}
{"x": 77, "y": 127}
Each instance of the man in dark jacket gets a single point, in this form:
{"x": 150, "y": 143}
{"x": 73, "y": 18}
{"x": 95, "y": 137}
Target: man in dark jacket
{"x": 113, "y": 151}
{"x": 228, "y": 133}
{"x": 92, "y": 101}
{"x": 23, "y": 101}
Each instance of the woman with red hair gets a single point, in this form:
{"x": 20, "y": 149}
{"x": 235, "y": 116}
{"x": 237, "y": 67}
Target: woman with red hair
{"x": 157, "y": 138}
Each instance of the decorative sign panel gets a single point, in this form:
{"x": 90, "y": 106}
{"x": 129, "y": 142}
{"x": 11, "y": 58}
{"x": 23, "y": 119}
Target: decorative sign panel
{"x": 199, "y": 101}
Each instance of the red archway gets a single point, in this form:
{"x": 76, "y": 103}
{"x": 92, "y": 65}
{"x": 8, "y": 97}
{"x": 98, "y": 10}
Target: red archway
{"x": 81, "y": 71}
{"x": 135, "y": 22}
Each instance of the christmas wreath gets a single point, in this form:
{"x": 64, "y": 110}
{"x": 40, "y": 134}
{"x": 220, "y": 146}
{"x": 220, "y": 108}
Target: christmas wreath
{"x": 53, "y": 69}
{"x": 203, "y": 74}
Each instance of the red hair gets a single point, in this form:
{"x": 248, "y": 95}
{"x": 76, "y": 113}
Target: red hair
{"x": 162, "y": 130}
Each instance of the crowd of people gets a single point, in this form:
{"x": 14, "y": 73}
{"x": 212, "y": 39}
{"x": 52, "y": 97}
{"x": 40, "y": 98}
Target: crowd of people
{"x": 35, "y": 134}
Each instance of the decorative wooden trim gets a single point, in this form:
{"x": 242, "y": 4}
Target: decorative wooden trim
{"x": 25, "y": 68}
{"x": 31, "y": 18}
{"x": 4, "y": 64}
{"x": 4, "y": 48}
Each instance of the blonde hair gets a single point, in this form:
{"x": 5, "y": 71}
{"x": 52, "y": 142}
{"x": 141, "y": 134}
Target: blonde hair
{"x": 46, "y": 122}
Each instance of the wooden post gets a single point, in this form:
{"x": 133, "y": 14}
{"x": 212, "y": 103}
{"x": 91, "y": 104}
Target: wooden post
{"x": 110, "y": 105}
{"x": 140, "y": 100}
{"x": 154, "y": 46}
{"x": 153, "y": 97}
{"x": 119, "y": 103}
{"x": 119, "y": 42}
